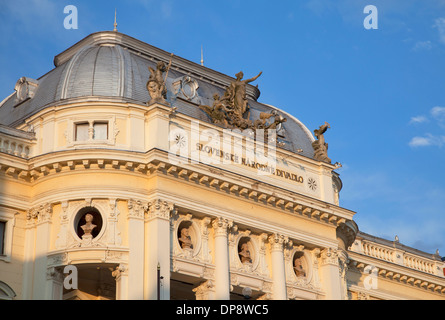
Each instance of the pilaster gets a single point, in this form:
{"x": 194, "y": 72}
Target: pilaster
{"x": 54, "y": 284}
{"x": 121, "y": 276}
{"x": 329, "y": 268}
{"x": 277, "y": 243}
{"x": 136, "y": 245}
{"x": 42, "y": 216}
{"x": 222, "y": 276}
{"x": 158, "y": 249}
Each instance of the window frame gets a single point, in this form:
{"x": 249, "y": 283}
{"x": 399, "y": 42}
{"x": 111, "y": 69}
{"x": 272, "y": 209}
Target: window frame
{"x": 71, "y": 133}
{"x": 9, "y": 218}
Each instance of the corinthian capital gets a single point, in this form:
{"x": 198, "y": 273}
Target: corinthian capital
{"x": 329, "y": 256}
{"x": 135, "y": 209}
{"x": 42, "y": 213}
{"x": 277, "y": 241}
{"x": 159, "y": 209}
{"x": 221, "y": 226}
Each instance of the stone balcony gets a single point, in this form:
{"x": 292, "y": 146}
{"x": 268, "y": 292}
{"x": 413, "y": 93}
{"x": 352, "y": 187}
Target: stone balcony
{"x": 16, "y": 142}
{"x": 399, "y": 254}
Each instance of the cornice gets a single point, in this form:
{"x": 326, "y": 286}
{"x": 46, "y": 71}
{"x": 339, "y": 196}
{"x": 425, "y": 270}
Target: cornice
{"x": 45, "y": 166}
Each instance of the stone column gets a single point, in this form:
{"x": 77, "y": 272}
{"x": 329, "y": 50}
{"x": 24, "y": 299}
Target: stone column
{"x": 158, "y": 249}
{"x": 28, "y": 264}
{"x": 277, "y": 243}
{"x": 136, "y": 245}
{"x": 54, "y": 284}
{"x": 343, "y": 268}
{"x": 221, "y": 253}
{"x": 121, "y": 276}
{"x": 43, "y": 215}
{"x": 330, "y": 273}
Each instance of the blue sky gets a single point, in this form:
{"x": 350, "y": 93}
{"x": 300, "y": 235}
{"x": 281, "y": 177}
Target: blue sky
{"x": 382, "y": 90}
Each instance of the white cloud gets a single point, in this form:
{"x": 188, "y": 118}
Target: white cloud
{"x": 418, "y": 119}
{"x": 423, "y": 45}
{"x": 427, "y": 140}
{"x": 420, "y": 142}
{"x": 440, "y": 25}
{"x": 438, "y": 113}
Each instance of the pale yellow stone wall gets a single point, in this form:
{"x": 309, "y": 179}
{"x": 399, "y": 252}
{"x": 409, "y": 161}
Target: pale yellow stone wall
{"x": 11, "y": 269}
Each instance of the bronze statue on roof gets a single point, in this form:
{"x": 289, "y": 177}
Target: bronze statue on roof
{"x": 232, "y": 110}
{"x": 156, "y": 82}
{"x": 320, "y": 146}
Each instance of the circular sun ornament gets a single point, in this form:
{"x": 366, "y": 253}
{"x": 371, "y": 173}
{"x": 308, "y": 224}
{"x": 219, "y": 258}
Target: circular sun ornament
{"x": 180, "y": 140}
{"x": 312, "y": 184}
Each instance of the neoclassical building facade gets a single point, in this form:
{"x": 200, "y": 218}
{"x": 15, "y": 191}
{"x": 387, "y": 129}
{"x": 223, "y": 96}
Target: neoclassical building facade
{"x": 137, "y": 174}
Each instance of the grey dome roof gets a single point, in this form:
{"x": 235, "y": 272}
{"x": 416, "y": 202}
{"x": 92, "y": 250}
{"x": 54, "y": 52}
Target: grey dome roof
{"x": 114, "y": 65}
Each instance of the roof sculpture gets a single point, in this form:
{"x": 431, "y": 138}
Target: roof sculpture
{"x": 117, "y": 67}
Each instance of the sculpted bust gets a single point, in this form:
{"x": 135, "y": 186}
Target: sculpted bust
{"x": 244, "y": 254}
{"x": 298, "y": 268}
{"x": 185, "y": 240}
{"x": 88, "y": 226}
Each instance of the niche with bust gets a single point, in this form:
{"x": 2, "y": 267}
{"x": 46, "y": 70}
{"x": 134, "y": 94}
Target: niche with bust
{"x": 245, "y": 251}
{"x": 299, "y": 264}
{"x": 186, "y": 235}
{"x": 88, "y": 223}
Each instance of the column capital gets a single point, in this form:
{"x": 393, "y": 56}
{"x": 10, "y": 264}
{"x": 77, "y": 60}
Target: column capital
{"x": 120, "y": 270}
{"x": 41, "y": 213}
{"x": 205, "y": 291}
{"x": 54, "y": 274}
{"x": 159, "y": 209}
{"x": 329, "y": 256}
{"x": 135, "y": 209}
{"x": 221, "y": 226}
{"x": 278, "y": 241}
